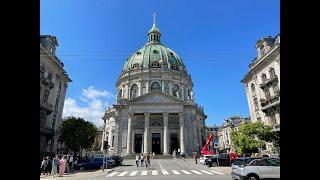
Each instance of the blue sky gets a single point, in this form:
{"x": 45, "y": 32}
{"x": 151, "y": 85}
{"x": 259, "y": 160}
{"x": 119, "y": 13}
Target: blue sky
{"x": 215, "y": 38}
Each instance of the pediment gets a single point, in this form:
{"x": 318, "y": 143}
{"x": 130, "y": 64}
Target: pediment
{"x": 155, "y": 97}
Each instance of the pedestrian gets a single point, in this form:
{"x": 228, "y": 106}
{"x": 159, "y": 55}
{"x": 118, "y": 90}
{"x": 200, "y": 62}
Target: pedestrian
{"x": 195, "y": 156}
{"x": 49, "y": 165}
{"x": 174, "y": 154}
{"x": 183, "y": 155}
{"x": 147, "y": 160}
{"x": 142, "y": 159}
{"x": 62, "y": 164}
{"x": 153, "y": 155}
{"x": 67, "y": 164}
{"x": 76, "y": 159}
{"x": 71, "y": 163}
{"x": 55, "y": 163}
{"x": 44, "y": 165}
{"x": 137, "y": 159}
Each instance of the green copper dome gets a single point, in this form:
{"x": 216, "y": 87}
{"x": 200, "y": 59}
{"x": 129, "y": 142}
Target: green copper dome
{"x": 153, "y": 54}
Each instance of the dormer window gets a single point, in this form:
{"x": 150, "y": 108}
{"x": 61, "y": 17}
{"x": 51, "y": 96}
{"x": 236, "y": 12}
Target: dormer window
{"x": 138, "y": 53}
{"x": 155, "y": 64}
{"x": 155, "y": 51}
{"x": 171, "y": 53}
{"x": 174, "y": 66}
{"x": 136, "y": 66}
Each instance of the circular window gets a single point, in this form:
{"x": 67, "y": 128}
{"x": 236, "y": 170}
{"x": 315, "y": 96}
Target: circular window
{"x": 155, "y": 51}
{"x": 155, "y": 64}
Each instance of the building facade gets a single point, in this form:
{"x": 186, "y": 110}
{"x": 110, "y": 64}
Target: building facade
{"x": 53, "y": 85}
{"x": 155, "y": 109}
{"x": 214, "y": 131}
{"x": 224, "y": 132}
{"x": 262, "y": 83}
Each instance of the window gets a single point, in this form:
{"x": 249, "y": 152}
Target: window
{"x": 273, "y": 162}
{"x": 119, "y": 93}
{"x": 155, "y": 86}
{"x": 174, "y": 66}
{"x": 138, "y": 53}
{"x": 256, "y": 104}
{"x": 45, "y": 96}
{"x": 136, "y": 66}
{"x": 175, "y": 90}
{"x": 272, "y": 72}
{"x": 253, "y": 88}
{"x": 155, "y": 64}
{"x": 155, "y": 51}
{"x": 133, "y": 91}
{"x": 267, "y": 94}
{"x": 263, "y": 78}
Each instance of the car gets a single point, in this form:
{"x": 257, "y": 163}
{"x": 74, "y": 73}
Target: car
{"x": 222, "y": 159}
{"x": 255, "y": 168}
{"x": 203, "y": 159}
{"x": 110, "y": 162}
{"x": 118, "y": 159}
{"x": 92, "y": 163}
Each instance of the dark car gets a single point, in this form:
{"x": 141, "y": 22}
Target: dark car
{"x": 92, "y": 163}
{"x": 222, "y": 159}
{"x": 118, "y": 159}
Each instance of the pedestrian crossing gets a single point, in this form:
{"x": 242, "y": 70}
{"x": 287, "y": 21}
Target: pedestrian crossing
{"x": 163, "y": 172}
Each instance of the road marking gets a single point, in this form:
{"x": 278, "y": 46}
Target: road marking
{"x": 154, "y": 172}
{"x": 175, "y": 172}
{"x": 217, "y": 172}
{"x": 186, "y": 172}
{"x": 123, "y": 173}
{"x": 160, "y": 166}
{"x": 112, "y": 174}
{"x": 133, "y": 173}
{"x": 194, "y": 171}
{"x": 207, "y": 172}
{"x": 165, "y": 172}
{"x": 144, "y": 173}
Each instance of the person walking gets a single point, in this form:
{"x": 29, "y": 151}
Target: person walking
{"x": 55, "y": 163}
{"x": 183, "y": 156}
{"x": 71, "y": 163}
{"x": 62, "y": 166}
{"x": 137, "y": 159}
{"x": 195, "y": 156}
{"x": 49, "y": 165}
{"x": 153, "y": 155}
{"x": 142, "y": 159}
{"x": 44, "y": 165}
{"x": 147, "y": 160}
{"x": 174, "y": 154}
{"x": 67, "y": 164}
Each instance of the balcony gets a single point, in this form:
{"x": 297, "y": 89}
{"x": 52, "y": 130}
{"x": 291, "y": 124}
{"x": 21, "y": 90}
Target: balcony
{"x": 271, "y": 80}
{"x": 274, "y": 101}
{"x": 46, "y": 106}
{"x": 46, "y": 82}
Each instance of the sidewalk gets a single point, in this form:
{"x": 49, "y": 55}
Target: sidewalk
{"x": 79, "y": 174}
{"x": 223, "y": 169}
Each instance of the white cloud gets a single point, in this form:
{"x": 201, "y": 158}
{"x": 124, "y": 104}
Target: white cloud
{"x": 95, "y": 103}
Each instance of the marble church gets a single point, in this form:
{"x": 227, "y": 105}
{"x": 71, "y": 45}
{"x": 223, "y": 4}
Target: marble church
{"x": 155, "y": 109}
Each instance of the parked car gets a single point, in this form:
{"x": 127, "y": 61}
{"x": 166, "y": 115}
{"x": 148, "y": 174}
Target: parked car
{"x": 95, "y": 163}
{"x": 204, "y": 158}
{"x": 118, "y": 159}
{"x": 222, "y": 159}
{"x": 255, "y": 168}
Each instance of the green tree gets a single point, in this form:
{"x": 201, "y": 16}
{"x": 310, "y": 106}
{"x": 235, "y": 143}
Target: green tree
{"x": 77, "y": 133}
{"x": 252, "y": 136}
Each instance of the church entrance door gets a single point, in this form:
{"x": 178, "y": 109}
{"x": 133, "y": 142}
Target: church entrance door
{"x": 174, "y": 142}
{"x": 156, "y": 144}
{"x": 138, "y": 143}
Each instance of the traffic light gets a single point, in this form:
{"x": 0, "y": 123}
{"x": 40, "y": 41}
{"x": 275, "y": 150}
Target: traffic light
{"x": 105, "y": 145}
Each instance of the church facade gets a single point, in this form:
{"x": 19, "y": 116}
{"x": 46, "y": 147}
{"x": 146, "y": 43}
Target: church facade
{"x": 155, "y": 109}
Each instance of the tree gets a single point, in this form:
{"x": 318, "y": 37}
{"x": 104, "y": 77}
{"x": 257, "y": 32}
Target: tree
{"x": 252, "y": 136}
{"x": 77, "y": 133}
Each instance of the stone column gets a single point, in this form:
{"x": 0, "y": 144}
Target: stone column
{"x": 181, "y": 119}
{"x": 182, "y": 91}
{"x": 165, "y": 134}
{"x": 140, "y": 88}
{"x": 129, "y": 133}
{"x": 110, "y": 135}
{"x": 170, "y": 88}
{"x": 146, "y": 133}
{"x": 147, "y": 86}
{"x": 162, "y": 86}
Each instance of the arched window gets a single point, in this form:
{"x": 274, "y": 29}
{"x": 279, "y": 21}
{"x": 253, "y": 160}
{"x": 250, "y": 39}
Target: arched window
{"x": 155, "y": 64}
{"x": 133, "y": 91}
{"x": 136, "y": 66}
{"x": 119, "y": 94}
{"x": 155, "y": 86}
{"x": 175, "y": 90}
{"x": 256, "y": 106}
{"x": 264, "y": 78}
{"x": 272, "y": 72}
{"x": 174, "y": 66}
{"x": 253, "y": 88}
{"x": 189, "y": 94}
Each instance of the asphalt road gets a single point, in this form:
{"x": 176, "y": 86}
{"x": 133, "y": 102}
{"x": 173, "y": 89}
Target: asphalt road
{"x": 164, "y": 168}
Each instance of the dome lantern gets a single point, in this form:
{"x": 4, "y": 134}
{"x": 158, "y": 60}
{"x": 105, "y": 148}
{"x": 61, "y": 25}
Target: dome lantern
{"x": 154, "y": 33}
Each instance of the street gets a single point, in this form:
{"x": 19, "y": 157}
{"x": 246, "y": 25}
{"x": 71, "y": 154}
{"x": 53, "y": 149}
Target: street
{"x": 165, "y": 168}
